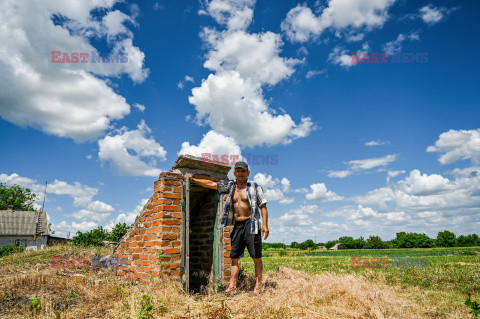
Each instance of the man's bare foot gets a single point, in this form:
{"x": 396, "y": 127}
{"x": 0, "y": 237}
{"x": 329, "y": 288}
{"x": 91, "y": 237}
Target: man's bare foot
{"x": 257, "y": 289}
{"x": 231, "y": 291}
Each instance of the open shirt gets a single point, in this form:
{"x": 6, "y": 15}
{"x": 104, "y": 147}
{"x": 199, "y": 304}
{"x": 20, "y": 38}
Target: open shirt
{"x": 256, "y": 199}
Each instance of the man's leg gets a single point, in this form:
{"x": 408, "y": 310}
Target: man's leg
{"x": 238, "y": 246}
{"x": 258, "y": 274}
{"x": 234, "y": 270}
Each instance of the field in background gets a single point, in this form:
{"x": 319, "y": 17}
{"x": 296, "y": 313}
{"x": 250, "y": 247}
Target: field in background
{"x": 299, "y": 284}
{"x": 451, "y": 274}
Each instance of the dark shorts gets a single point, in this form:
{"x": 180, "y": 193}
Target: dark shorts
{"x": 242, "y": 237}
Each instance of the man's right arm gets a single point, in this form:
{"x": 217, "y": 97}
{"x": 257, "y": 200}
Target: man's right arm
{"x": 204, "y": 182}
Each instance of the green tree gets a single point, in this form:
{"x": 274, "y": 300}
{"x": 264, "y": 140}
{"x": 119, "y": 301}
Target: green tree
{"x": 350, "y": 243}
{"x": 375, "y": 242}
{"x": 468, "y": 241}
{"x": 117, "y": 232}
{"x": 347, "y": 242}
{"x": 310, "y": 244}
{"x": 446, "y": 239}
{"x": 413, "y": 240}
{"x": 52, "y": 232}
{"x": 92, "y": 237}
{"x": 16, "y": 197}
{"x": 359, "y": 243}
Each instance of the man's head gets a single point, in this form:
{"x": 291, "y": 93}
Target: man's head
{"x": 241, "y": 172}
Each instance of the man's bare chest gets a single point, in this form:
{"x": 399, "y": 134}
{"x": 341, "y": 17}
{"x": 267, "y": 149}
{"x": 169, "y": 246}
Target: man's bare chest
{"x": 240, "y": 197}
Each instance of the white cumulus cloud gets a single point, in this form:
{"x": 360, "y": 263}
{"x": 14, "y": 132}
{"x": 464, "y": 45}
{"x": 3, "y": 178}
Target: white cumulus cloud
{"x": 302, "y": 25}
{"x": 213, "y": 144}
{"x": 274, "y": 188}
{"x": 231, "y": 99}
{"x": 320, "y": 193}
{"x": 458, "y": 145}
{"x": 62, "y": 99}
{"x": 126, "y": 151}
{"x": 235, "y": 106}
{"x": 234, "y": 14}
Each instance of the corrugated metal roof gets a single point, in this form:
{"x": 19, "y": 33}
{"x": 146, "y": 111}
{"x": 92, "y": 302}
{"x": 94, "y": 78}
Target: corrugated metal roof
{"x": 22, "y": 223}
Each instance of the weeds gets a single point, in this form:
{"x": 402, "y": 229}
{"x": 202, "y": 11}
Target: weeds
{"x": 474, "y": 307}
{"x": 35, "y": 305}
{"x": 146, "y": 310}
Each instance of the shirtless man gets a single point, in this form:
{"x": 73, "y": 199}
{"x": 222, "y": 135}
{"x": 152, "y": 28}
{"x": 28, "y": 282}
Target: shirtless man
{"x": 247, "y": 199}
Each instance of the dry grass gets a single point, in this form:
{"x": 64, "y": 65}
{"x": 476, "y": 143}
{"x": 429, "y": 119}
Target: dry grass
{"x": 88, "y": 293}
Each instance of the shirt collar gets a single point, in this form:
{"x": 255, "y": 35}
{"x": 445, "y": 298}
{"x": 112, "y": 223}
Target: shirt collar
{"x": 249, "y": 183}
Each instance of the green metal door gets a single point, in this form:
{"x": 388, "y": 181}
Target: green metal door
{"x": 185, "y": 254}
{"x": 218, "y": 244}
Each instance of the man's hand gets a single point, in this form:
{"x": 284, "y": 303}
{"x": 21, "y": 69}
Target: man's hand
{"x": 265, "y": 231}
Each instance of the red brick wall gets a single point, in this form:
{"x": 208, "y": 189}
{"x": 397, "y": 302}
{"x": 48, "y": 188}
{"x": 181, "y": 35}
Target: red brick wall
{"x": 227, "y": 262}
{"x": 153, "y": 246}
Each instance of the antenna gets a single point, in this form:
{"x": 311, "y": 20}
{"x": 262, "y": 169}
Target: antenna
{"x": 44, "y": 195}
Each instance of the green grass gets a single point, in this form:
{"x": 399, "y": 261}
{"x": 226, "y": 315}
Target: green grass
{"x": 449, "y": 269}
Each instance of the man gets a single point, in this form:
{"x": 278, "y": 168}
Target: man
{"x": 242, "y": 206}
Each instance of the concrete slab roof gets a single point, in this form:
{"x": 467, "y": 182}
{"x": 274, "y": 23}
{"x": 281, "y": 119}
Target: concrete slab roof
{"x": 194, "y": 162}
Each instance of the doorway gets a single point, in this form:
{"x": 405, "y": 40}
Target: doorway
{"x": 202, "y": 241}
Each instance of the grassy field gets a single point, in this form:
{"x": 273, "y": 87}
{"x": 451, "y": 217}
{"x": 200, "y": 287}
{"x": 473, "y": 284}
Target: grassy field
{"x": 451, "y": 274}
{"x": 298, "y": 284}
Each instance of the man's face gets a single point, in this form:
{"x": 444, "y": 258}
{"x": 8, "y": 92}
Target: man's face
{"x": 241, "y": 175}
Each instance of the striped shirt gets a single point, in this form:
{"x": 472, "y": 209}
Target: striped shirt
{"x": 256, "y": 199}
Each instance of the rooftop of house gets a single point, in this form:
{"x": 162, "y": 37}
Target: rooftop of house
{"x": 23, "y": 223}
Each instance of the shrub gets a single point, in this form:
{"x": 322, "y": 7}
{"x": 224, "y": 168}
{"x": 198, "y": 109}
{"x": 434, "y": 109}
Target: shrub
{"x": 10, "y": 249}
{"x": 117, "y": 232}
{"x": 96, "y": 236}
{"x": 92, "y": 237}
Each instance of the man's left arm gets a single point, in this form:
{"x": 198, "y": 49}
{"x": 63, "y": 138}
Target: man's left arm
{"x": 265, "y": 230}
{"x": 262, "y": 203}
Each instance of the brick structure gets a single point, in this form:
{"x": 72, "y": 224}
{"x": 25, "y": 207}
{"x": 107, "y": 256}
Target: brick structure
{"x": 175, "y": 234}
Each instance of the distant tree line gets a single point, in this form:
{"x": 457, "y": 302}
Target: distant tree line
{"x": 402, "y": 240}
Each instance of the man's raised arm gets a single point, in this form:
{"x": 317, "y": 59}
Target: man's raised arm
{"x": 203, "y": 182}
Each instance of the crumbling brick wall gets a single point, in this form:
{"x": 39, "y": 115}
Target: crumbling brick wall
{"x": 154, "y": 244}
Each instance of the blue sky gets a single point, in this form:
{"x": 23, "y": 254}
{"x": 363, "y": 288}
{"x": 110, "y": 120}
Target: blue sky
{"x": 362, "y": 148}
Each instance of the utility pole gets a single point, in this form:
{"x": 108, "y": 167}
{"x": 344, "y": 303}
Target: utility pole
{"x": 44, "y": 196}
